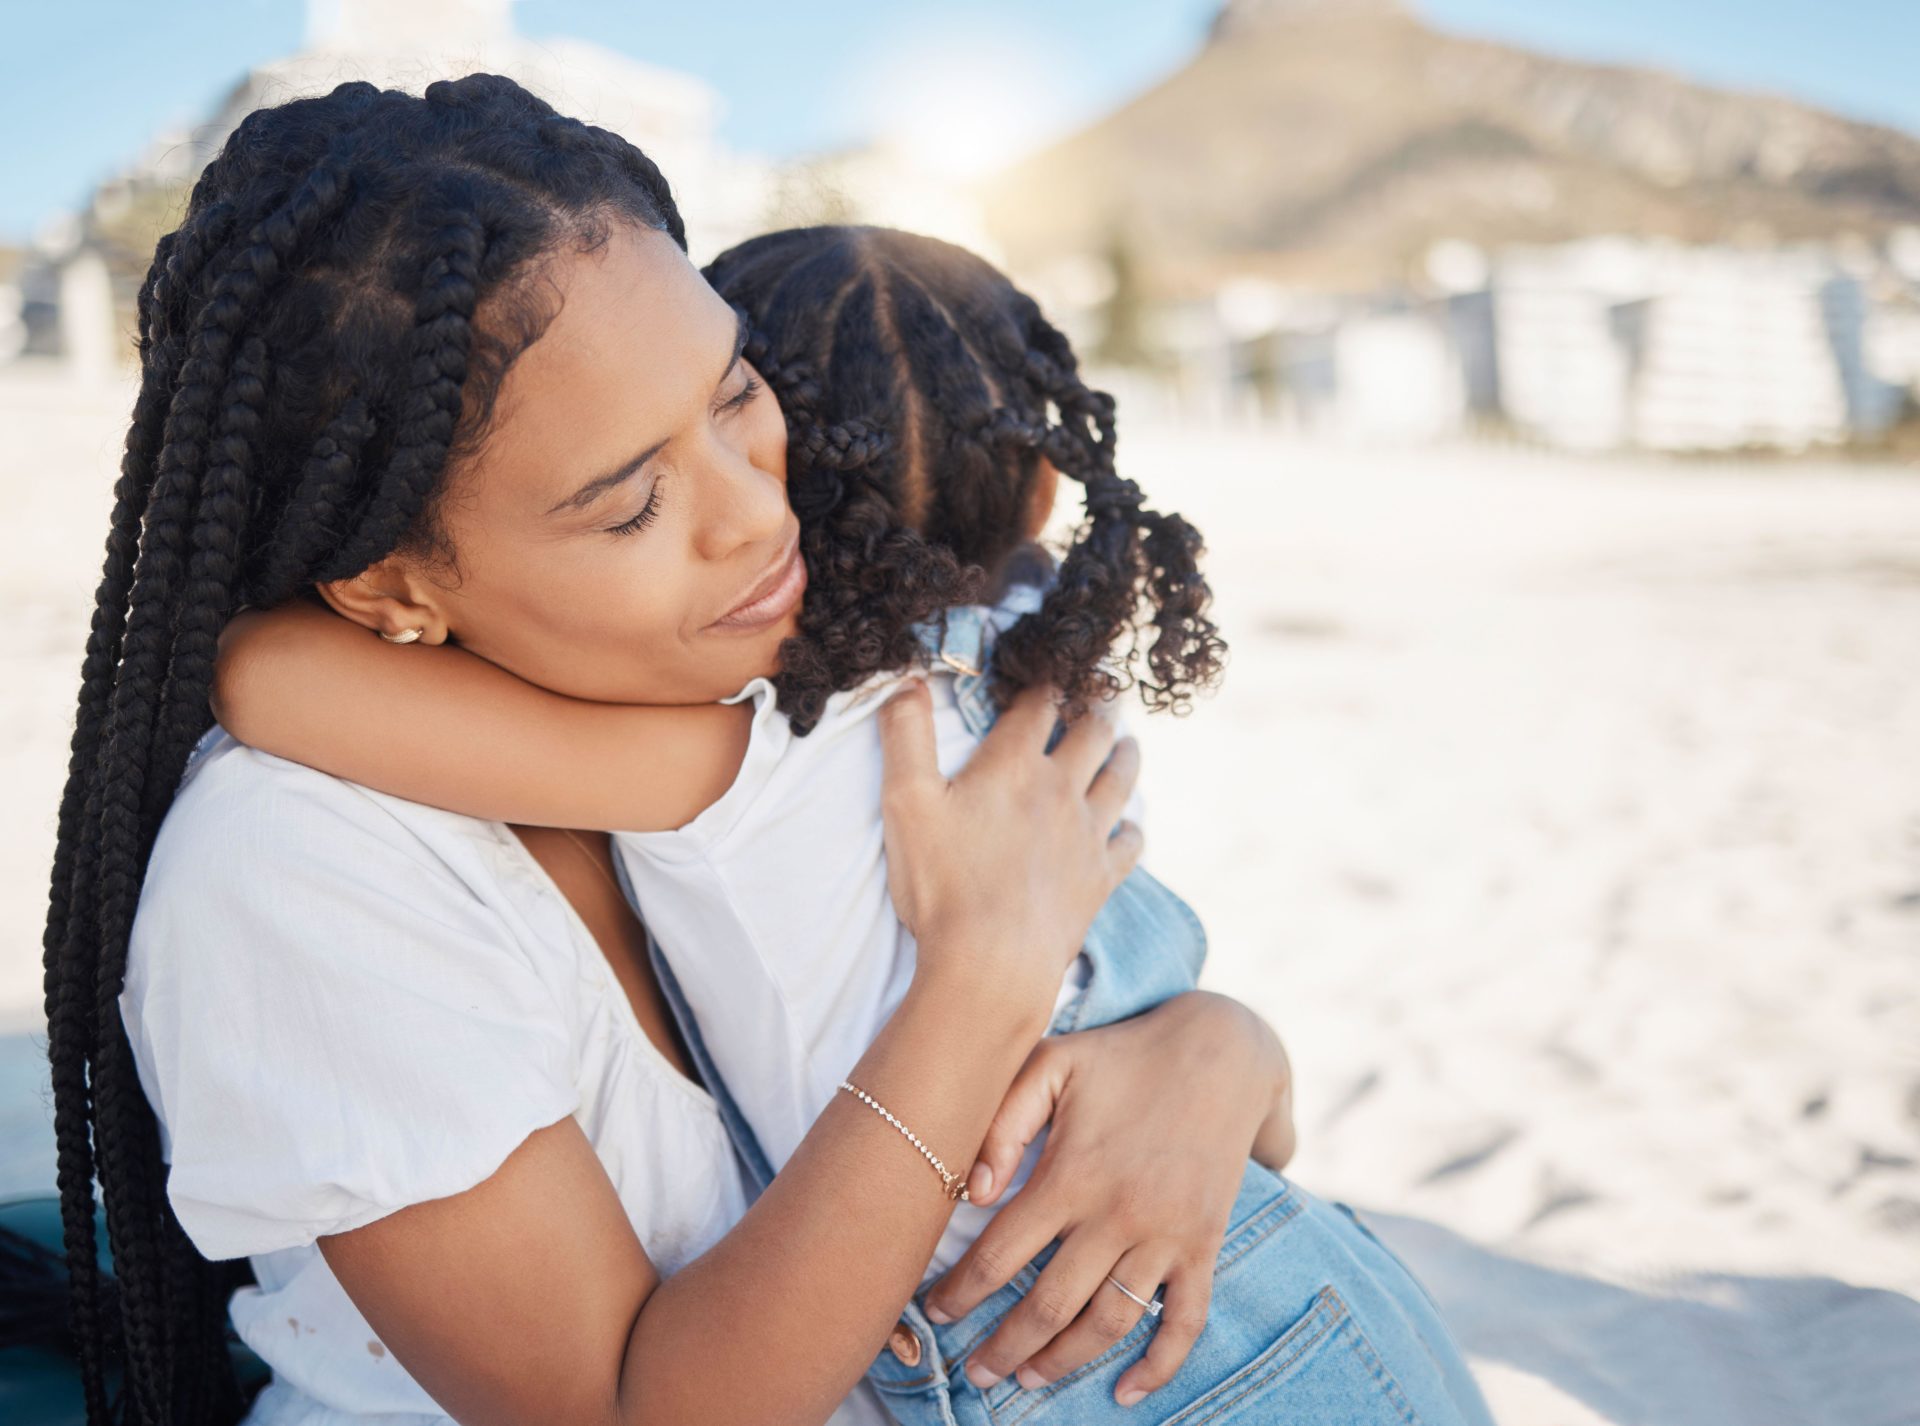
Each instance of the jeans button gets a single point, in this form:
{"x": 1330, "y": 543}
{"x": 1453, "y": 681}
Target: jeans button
{"x": 904, "y": 1343}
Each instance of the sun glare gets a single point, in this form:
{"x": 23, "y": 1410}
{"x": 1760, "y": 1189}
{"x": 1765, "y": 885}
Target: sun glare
{"x": 965, "y": 105}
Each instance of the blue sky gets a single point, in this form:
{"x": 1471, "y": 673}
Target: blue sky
{"x": 83, "y": 83}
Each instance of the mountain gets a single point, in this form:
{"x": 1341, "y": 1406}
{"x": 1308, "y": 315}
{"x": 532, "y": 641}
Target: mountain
{"x": 1332, "y": 141}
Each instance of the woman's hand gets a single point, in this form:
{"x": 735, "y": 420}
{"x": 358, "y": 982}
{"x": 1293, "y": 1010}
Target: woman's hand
{"x": 999, "y": 871}
{"x": 1153, "y": 1119}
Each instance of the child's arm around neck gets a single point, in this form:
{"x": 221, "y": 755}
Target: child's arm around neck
{"x": 438, "y": 725}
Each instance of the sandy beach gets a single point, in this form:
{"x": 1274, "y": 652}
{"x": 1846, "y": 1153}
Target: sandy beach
{"x": 1564, "y": 816}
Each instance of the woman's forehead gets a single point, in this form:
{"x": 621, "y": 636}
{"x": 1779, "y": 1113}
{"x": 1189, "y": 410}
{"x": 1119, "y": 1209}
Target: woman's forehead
{"x": 629, "y": 358}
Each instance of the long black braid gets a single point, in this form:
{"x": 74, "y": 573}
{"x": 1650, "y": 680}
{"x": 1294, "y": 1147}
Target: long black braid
{"x": 313, "y": 365}
{"x": 920, "y": 388}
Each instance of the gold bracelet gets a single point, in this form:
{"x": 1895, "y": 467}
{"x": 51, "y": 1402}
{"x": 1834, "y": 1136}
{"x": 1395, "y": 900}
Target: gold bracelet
{"x": 954, "y": 1186}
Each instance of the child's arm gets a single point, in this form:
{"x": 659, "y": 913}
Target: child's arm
{"x": 438, "y": 725}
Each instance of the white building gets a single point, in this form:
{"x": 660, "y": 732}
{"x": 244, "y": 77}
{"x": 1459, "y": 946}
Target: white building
{"x": 1617, "y": 342}
{"x": 1389, "y": 369}
{"x": 672, "y": 116}
{"x": 1604, "y": 344}
{"x": 1892, "y": 343}
{"x": 1564, "y": 373}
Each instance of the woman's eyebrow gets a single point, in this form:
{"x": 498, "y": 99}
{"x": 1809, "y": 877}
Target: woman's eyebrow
{"x": 601, "y": 484}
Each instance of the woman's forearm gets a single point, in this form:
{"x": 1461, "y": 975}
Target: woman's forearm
{"x": 782, "y": 1318}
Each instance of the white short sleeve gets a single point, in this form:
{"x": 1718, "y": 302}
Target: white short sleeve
{"x": 330, "y": 1024}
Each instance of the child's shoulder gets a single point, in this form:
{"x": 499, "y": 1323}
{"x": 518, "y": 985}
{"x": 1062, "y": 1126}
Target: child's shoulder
{"x": 961, "y": 636}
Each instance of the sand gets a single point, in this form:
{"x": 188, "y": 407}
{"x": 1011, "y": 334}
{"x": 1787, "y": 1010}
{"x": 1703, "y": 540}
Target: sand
{"x": 1564, "y": 816}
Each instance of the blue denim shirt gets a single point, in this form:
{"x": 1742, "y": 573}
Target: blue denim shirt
{"x": 1145, "y": 945}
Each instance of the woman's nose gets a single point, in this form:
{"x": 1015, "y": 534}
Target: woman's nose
{"x": 748, "y": 505}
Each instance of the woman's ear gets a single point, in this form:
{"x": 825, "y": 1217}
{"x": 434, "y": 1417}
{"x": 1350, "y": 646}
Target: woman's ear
{"x": 1040, "y": 497}
{"x": 387, "y": 598}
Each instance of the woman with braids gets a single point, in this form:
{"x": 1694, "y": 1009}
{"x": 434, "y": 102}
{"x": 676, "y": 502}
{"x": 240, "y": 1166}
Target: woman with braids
{"x": 931, "y": 410}
{"x": 394, "y": 1086}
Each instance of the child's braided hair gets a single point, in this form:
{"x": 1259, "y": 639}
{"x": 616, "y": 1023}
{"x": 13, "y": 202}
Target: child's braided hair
{"x": 921, "y": 387}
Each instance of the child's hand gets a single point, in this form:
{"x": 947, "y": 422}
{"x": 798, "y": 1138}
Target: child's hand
{"x": 1152, "y": 1122}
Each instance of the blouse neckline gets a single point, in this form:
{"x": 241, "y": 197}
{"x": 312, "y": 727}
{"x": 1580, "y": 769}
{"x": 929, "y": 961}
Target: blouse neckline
{"x": 586, "y": 943}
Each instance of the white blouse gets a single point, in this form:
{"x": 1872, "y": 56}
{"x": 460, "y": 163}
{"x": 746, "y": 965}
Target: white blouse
{"x": 341, "y": 1003}
{"x": 795, "y": 957}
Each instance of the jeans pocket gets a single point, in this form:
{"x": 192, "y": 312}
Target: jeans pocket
{"x": 1321, "y": 1371}
{"x": 1399, "y": 1262}
{"x": 1082, "y": 1396}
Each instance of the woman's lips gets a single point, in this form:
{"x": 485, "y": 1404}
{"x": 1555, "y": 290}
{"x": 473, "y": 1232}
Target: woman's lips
{"x": 773, "y": 596}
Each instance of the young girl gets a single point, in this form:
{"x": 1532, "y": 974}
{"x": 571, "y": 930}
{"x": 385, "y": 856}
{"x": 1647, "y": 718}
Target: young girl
{"x": 931, "y": 410}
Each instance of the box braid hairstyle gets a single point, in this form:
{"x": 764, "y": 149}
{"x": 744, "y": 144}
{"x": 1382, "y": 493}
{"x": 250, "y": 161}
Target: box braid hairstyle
{"x": 920, "y": 388}
{"x": 311, "y": 368}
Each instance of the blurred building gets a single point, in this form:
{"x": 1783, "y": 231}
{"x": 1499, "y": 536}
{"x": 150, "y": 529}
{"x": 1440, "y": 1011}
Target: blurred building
{"x": 1603, "y": 344}
{"x": 70, "y": 296}
{"x": 1617, "y": 343}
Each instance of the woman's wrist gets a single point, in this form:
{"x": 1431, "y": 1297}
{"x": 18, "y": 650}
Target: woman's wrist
{"x": 976, "y": 983}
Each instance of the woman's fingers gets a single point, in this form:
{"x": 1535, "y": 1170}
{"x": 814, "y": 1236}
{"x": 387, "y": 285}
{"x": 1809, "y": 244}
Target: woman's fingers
{"x": 1012, "y": 1237}
{"x": 1108, "y": 1317}
{"x": 1114, "y": 783}
{"x": 1085, "y": 745}
{"x": 1065, "y": 1285}
{"x": 906, "y": 735}
{"x": 1123, "y": 851}
{"x": 1018, "y": 1122}
{"x": 1185, "y": 1299}
{"x": 1023, "y": 727}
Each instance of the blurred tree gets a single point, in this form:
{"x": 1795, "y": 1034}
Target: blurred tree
{"x": 1123, "y": 336}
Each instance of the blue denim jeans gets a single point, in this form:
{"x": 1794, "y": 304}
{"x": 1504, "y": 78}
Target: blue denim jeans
{"x": 1313, "y": 1321}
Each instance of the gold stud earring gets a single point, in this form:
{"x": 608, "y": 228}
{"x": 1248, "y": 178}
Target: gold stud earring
{"x": 405, "y": 638}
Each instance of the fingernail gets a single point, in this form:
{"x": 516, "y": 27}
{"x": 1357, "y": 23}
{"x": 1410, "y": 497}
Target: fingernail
{"x": 1130, "y": 1396}
{"x": 980, "y": 1376}
{"x": 1030, "y": 1379}
{"x": 980, "y": 1181}
{"x": 939, "y": 1315}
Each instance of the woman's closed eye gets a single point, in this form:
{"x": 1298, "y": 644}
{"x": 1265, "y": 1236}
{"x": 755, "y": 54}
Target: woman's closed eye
{"x": 749, "y": 389}
{"x": 650, "y": 512}
{"x": 647, "y": 514}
